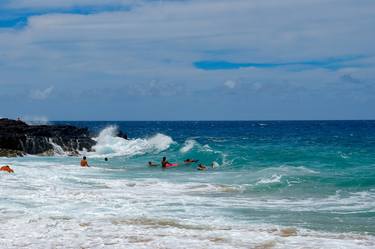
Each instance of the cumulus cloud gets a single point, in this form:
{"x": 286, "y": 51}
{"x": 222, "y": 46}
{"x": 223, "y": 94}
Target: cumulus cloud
{"x": 155, "y": 88}
{"x": 119, "y": 48}
{"x": 256, "y": 86}
{"x": 21, "y": 4}
{"x": 230, "y": 84}
{"x": 41, "y": 94}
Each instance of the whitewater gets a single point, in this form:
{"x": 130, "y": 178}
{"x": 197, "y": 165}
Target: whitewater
{"x": 274, "y": 185}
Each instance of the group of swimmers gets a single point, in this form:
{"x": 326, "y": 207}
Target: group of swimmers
{"x": 85, "y": 163}
{"x": 165, "y": 164}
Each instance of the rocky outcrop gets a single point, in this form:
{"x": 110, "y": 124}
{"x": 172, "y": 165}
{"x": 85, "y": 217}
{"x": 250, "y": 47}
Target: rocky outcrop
{"x": 17, "y": 138}
{"x": 10, "y": 153}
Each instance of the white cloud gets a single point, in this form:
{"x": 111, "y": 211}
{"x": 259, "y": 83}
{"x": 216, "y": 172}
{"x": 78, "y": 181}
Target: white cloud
{"x": 256, "y": 86}
{"x": 38, "y": 4}
{"x": 230, "y": 84}
{"x": 41, "y": 94}
{"x": 161, "y": 39}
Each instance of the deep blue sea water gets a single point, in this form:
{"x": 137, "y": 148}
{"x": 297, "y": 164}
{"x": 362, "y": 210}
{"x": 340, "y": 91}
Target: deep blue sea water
{"x": 275, "y": 184}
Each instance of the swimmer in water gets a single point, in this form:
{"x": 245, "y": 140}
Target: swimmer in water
{"x": 7, "y": 169}
{"x": 164, "y": 162}
{"x": 201, "y": 167}
{"x": 152, "y": 164}
{"x": 84, "y": 162}
{"x": 105, "y": 159}
{"x": 190, "y": 161}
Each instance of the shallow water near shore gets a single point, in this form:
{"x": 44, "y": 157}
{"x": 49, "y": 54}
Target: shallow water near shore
{"x": 276, "y": 185}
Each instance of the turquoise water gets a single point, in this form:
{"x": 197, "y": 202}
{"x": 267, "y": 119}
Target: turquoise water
{"x": 276, "y": 185}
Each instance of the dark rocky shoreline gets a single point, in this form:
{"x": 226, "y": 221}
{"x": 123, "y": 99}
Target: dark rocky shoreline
{"x": 18, "y": 138}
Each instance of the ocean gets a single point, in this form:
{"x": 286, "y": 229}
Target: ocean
{"x": 275, "y": 184}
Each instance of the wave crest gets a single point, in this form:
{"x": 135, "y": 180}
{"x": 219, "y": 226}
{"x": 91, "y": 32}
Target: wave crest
{"x": 188, "y": 145}
{"x": 269, "y": 180}
{"x": 108, "y": 144}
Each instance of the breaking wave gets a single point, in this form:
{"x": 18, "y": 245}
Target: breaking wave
{"x": 272, "y": 179}
{"x": 188, "y": 145}
{"x": 108, "y": 144}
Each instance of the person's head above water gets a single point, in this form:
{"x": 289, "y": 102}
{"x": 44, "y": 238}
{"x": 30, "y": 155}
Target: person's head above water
{"x": 105, "y": 159}
{"x": 84, "y": 162}
{"x": 164, "y": 158}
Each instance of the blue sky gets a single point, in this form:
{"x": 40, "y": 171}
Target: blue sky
{"x": 187, "y": 59}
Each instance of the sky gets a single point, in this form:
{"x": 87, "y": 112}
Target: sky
{"x": 187, "y": 59}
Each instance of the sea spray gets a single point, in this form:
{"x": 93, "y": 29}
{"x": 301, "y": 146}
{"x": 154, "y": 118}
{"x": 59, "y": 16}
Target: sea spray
{"x": 188, "y": 145}
{"x": 109, "y": 144}
{"x": 204, "y": 153}
{"x": 57, "y": 149}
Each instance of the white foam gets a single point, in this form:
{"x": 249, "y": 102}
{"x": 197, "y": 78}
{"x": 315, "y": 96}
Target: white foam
{"x": 108, "y": 144}
{"x": 58, "y": 150}
{"x": 207, "y": 148}
{"x": 188, "y": 145}
{"x": 47, "y": 203}
{"x": 215, "y": 164}
{"x": 290, "y": 170}
{"x": 272, "y": 179}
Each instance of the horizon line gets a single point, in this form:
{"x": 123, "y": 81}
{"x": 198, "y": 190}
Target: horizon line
{"x": 214, "y": 120}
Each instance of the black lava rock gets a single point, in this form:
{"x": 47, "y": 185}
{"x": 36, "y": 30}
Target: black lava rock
{"x": 19, "y": 137}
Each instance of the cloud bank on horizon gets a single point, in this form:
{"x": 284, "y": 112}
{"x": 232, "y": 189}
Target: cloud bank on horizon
{"x": 187, "y": 59}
